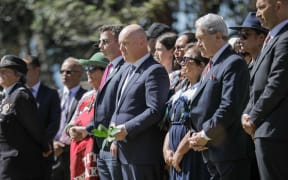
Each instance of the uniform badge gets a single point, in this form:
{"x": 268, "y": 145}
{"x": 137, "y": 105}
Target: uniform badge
{"x": 5, "y": 108}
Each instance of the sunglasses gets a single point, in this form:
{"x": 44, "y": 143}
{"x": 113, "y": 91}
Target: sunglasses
{"x": 68, "y": 72}
{"x": 103, "y": 41}
{"x": 93, "y": 68}
{"x": 244, "y": 35}
{"x": 186, "y": 59}
{"x": 179, "y": 48}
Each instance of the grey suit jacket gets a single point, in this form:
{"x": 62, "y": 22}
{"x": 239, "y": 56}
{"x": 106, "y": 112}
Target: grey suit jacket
{"x": 268, "y": 103}
{"x": 75, "y": 101}
{"x": 141, "y": 108}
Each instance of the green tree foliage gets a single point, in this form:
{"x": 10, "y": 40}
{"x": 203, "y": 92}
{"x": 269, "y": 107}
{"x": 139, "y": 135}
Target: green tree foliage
{"x": 62, "y": 28}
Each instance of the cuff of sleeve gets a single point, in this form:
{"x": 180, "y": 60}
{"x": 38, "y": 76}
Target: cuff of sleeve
{"x": 203, "y": 135}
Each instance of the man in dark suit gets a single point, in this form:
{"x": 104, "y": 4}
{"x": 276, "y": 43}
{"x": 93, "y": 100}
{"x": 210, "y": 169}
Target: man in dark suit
{"x": 22, "y": 136}
{"x": 48, "y": 104}
{"x": 71, "y": 74}
{"x": 218, "y": 103}
{"x": 265, "y": 115}
{"x": 108, "y": 166}
{"x": 141, "y": 97}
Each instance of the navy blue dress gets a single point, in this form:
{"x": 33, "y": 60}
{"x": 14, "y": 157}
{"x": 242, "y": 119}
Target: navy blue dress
{"x": 192, "y": 165}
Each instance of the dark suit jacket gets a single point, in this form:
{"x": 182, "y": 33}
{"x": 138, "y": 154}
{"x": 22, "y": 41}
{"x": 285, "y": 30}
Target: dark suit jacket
{"x": 22, "y": 136}
{"x": 141, "y": 108}
{"x": 217, "y": 106}
{"x": 74, "y": 102}
{"x": 268, "y": 102}
{"x": 105, "y": 100}
{"x": 49, "y": 109}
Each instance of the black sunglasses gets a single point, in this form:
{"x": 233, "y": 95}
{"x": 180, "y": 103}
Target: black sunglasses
{"x": 104, "y": 41}
{"x": 69, "y": 72}
{"x": 93, "y": 68}
{"x": 244, "y": 35}
{"x": 185, "y": 59}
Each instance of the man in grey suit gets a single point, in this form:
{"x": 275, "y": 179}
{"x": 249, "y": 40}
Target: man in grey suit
{"x": 71, "y": 73}
{"x": 265, "y": 115}
{"x": 141, "y": 97}
{"x": 218, "y": 103}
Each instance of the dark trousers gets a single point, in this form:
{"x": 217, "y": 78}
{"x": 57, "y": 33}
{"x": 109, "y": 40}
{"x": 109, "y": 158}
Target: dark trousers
{"x": 230, "y": 170}
{"x": 61, "y": 168}
{"x": 272, "y": 158}
{"x": 142, "y": 172}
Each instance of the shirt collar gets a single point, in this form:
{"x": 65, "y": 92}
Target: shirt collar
{"x": 8, "y": 89}
{"x": 141, "y": 60}
{"x": 115, "y": 61}
{"x": 219, "y": 52}
{"x": 36, "y": 87}
{"x": 277, "y": 29}
{"x": 72, "y": 91}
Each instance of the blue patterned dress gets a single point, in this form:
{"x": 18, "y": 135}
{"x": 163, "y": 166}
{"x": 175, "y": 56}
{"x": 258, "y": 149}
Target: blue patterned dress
{"x": 192, "y": 165}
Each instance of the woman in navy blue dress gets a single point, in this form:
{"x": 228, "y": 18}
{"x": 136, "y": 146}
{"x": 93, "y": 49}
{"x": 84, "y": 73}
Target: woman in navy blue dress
{"x": 187, "y": 164}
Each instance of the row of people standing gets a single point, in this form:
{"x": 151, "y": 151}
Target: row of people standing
{"x": 215, "y": 108}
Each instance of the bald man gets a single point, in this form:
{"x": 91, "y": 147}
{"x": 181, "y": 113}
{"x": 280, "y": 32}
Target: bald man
{"x": 71, "y": 73}
{"x": 140, "y": 104}
{"x": 265, "y": 115}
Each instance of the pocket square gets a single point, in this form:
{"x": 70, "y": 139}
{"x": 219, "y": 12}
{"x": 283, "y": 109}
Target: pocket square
{"x": 213, "y": 77}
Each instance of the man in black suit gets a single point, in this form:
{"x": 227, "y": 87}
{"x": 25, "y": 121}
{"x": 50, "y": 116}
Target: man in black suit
{"x": 48, "y": 104}
{"x": 217, "y": 104}
{"x": 265, "y": 115}
{"x": 71, "y": 74}
{"x": 22, "y": 136}
{"x": 141, "y": 97}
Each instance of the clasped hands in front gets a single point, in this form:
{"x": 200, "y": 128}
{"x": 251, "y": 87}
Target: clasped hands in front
{"x": 248, "y": 125}
{"x": 194, "y": 142}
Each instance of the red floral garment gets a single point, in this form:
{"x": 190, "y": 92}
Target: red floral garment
{"x": 82, "y": 158}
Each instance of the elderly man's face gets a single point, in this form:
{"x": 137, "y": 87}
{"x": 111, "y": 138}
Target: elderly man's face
{"x": 206, "y": 42}
{"x": 71, "y": 74}
{"x": 8, "y": 77}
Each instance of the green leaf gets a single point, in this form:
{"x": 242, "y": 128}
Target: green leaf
{"x": 97, "y": 133}
{"x": 108, "y": 134}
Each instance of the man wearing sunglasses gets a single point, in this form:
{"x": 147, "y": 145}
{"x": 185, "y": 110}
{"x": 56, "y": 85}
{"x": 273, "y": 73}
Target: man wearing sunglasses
{"x": 252, "y": 36}
{"x": 108, "y": 166}
{"x": 71, "y": 75}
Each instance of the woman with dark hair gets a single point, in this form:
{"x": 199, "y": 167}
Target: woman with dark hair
{"x": 22, "y": 136}
{"x": 185, "y": 163}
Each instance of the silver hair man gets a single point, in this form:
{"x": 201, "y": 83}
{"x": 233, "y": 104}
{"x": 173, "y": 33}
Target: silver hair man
{"x": 212, "y": 23}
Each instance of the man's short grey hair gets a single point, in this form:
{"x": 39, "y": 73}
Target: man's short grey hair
{"x": 212, "y": 23}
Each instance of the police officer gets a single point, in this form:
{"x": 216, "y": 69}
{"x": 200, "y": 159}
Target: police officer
{"x": 23, "y": 144}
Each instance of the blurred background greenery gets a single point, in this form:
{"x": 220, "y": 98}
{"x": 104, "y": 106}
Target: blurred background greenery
{"x": 57, "y": 29}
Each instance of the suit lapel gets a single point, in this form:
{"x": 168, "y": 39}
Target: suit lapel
{"x": 214, "y": 69}
{"x": 129, "y": 83}
{"x": 262, "y": 56}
